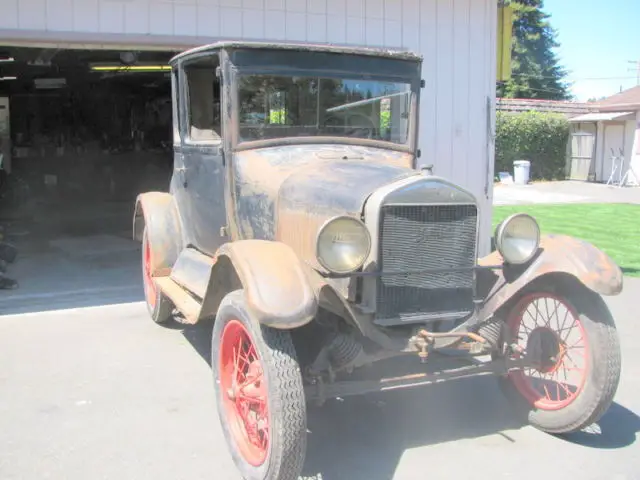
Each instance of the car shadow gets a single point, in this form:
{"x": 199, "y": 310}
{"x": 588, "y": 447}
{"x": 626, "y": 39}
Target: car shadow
{"x": 198, "y": 335}
{"x": 367, "y": 435}
{"x": 617, "y": 428}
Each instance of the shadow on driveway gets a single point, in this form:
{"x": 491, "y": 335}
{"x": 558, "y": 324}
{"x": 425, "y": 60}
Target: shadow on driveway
{"x": 368, "y": 435}
{"x": 616, "y": 429}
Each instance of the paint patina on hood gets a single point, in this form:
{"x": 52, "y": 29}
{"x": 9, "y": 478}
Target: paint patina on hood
{"x": 279, "y": 189}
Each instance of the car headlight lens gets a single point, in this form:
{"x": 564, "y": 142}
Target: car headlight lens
{"x": 518, "y": 238}
{"x": 343, "y": 245}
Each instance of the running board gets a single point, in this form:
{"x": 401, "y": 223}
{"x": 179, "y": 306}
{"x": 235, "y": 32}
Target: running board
{"x": 181, "y": 299}
{"x": 192, "y": 271}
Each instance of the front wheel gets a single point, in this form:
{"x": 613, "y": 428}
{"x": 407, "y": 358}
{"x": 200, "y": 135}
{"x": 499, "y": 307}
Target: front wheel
{"x": 570, "y": 337}
{"x": 259, "y": 393}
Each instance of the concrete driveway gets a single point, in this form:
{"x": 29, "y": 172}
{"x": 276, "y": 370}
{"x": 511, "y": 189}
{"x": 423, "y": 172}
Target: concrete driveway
{"x": 564, "y": 192}
{"x": 102, "y": 393}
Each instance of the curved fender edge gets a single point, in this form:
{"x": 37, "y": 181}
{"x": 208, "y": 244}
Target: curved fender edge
{"x": 157, "y": 211}
{"x": 558, "y": 254}
{"x": 277, "y": 289}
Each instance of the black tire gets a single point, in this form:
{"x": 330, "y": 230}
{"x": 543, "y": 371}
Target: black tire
{"x": 603, "y": 365}
{"x": 287, "y": 418}
{"x": 160, "y": 308}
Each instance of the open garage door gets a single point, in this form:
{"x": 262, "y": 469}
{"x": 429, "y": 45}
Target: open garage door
{"x": 86, "y": 131}
{"x": 89, "y": 129}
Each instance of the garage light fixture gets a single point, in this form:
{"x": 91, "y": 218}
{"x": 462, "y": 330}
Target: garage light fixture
{"x": 49, "y": 83}
{"x": 7, "y": 59}
{"x": 128, "y": 68}
{"x": 2, "y": 79}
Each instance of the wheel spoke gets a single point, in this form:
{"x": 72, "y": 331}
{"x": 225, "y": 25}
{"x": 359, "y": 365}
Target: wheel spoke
{"x": 546, "y": 307}
{"x": 555, "y": 313}
{"x": 546, "y": 392}
{"x": 549, "y": 323}
{"x": 538, "y": 312}
{"x": 566, "y": 389}
{"x": 252, "y": 398}
{"x": 564, "y": 339}
{"x": 564, "y": 321}
{"x": 578, "y": 351}
{"x": 246, "y": 396}
{"x": 251, "y": 381}
{"x": 570, "y": 358}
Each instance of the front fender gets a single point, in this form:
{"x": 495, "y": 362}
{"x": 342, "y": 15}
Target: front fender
{"x": 558, "y": 254}
{"x": 157, "y": 212}
{"x": 277, "y": 289}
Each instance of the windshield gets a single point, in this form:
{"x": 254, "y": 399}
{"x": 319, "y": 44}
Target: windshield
{"x": 277, "y": 106}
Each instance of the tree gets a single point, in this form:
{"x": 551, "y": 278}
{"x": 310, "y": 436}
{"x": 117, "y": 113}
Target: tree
{"x": 536, "y": 71}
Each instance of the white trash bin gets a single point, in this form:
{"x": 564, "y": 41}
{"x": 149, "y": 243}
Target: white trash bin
{"x": 521, "y": 172}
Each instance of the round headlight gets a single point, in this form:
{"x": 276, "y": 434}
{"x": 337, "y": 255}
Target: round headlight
{"x": 518, "y": 238}
{"x": 343, "y": 245}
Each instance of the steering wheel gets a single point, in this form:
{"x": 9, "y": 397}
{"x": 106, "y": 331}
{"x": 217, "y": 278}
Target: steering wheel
{"x": 339, "y": 120}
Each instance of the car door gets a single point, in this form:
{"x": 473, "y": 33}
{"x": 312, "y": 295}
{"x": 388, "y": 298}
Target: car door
{"x": 199, "y": 164}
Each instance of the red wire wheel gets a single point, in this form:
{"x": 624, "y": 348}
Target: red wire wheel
{"x": 259, "y": 393}
{"x": 150, "y": 291}
{"x": 159, "y": 306}
{"x": 244, "y": 393}
{"x": 550, "y": 330}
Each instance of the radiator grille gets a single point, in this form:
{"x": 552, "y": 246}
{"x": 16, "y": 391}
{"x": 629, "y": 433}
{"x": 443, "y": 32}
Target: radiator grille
{"x": 426, "y": 237}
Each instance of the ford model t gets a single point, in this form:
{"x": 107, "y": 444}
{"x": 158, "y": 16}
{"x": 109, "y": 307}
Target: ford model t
{"x": 297, "y": 217}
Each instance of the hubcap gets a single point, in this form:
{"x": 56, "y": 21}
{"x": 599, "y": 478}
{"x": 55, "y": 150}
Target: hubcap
{"x": 245, "y": 393}
{"x": 149, "y": 284}
{"x": 549, "y": 328}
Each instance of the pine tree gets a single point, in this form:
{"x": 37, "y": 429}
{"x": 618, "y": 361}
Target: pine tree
{"x": 536, "y": 71}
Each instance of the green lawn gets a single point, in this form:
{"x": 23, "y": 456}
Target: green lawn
{"x": 614, "y": 228}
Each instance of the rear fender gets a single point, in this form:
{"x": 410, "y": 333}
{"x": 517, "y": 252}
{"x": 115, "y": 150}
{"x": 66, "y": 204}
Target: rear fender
{"x": 277, "y": 289}
{"x": 157, "y": 212}
{"x": 559, "y": 255}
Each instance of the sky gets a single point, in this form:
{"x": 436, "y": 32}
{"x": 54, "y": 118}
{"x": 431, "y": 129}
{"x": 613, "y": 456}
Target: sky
{"x": 597, "y": 40}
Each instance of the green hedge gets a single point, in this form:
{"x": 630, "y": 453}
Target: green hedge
{"x": 538, "y": 137}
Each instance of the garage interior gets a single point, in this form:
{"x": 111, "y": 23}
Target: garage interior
{"x": 82, "y": 132}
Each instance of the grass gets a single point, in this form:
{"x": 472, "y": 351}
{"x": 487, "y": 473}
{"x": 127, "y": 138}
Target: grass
{"x": 614, "y": 228}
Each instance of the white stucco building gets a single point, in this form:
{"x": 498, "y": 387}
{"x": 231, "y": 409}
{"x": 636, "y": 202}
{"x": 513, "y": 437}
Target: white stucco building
{"x": 456, "y": 37}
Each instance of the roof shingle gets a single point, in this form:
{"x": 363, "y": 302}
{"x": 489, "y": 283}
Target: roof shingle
{"x": 622, "y": 101}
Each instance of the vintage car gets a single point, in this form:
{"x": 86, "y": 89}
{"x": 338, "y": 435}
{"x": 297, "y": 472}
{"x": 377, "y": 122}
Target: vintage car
{"x": 298, "y": 218}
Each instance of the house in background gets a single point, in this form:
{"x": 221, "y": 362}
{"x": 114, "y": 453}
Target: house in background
{"x": 607, "y": 140}
{"x": 521, "y": 105}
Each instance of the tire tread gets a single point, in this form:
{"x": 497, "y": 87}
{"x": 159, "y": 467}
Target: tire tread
{"x": 602, "y": 381}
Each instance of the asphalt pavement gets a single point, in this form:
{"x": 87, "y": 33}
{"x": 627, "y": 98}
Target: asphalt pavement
{"x": 567, "y": 191}
{"x": 103, "y": 393}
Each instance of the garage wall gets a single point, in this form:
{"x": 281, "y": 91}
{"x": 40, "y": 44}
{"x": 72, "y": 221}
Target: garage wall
{"x": 456, "y": 37}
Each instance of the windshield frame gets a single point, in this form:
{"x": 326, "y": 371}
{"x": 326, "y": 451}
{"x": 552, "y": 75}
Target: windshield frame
{"x": 326, "y": 71}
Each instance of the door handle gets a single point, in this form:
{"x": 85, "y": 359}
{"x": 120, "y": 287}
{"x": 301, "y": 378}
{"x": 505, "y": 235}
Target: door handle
{"x": 181, "y": 171}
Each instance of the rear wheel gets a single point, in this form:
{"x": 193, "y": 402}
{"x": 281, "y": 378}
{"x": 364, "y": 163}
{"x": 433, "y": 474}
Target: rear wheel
{"x": 259, "y": 394}
{"x": 159, "y": 306}
{"x": 572, "y": 340}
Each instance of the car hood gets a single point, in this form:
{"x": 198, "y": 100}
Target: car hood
{"x": 286, "y": 193}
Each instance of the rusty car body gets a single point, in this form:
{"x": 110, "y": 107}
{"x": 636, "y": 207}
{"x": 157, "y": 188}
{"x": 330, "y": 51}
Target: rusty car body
{"x": 297, "y": 216}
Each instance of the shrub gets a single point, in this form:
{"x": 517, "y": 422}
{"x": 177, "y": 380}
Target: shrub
{"x": 538, "y": 137}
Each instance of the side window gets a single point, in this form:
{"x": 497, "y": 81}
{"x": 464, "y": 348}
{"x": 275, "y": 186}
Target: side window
{"x": 203, "y": 101}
